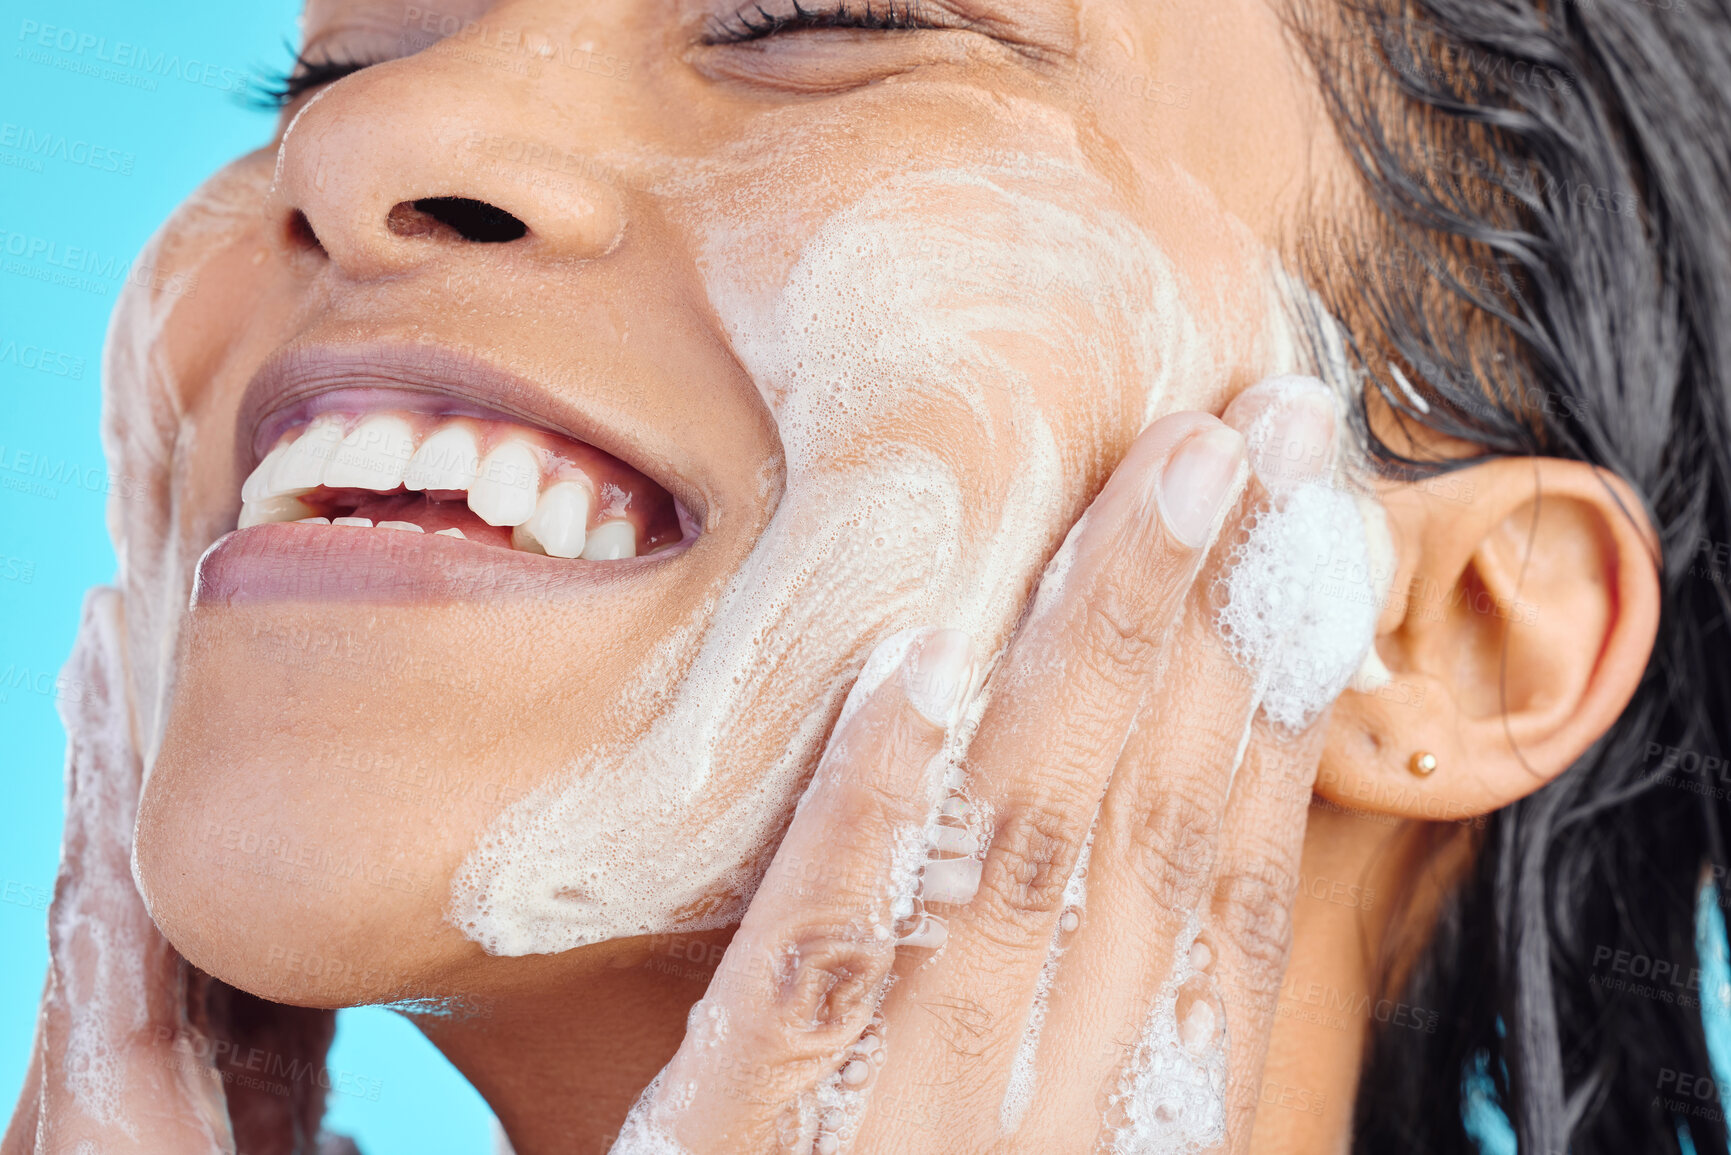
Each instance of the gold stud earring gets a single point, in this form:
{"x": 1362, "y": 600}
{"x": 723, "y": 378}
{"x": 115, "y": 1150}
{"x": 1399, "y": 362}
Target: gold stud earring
{"x": 1422, "y": 763}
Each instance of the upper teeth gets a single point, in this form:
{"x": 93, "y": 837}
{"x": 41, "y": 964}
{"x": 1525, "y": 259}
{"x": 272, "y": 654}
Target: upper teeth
{"x": 380, "y": 453}
{"x": 557, "y": 526}
{"x": 296, "y": 466}
{"x": 449, "y": 459}
{"x": 504, "y": 491}
{"x": 372, "y": 456}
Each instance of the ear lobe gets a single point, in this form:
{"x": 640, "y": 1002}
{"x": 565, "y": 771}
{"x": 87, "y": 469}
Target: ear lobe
{"x": 1528, "y": 619}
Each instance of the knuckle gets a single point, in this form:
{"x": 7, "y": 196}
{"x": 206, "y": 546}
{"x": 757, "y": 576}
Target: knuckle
{"x": 828, "y": 983}
{"x": 1029, "y": 863}
{"x": 879, "y": 733}
{"x": 1253, "y": 912}
{"x": 1117, "y": 626}
{"x": 1173, "y": 842}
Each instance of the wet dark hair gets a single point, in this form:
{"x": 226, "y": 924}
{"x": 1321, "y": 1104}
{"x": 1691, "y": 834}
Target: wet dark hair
{"x": 1543, "y": 266}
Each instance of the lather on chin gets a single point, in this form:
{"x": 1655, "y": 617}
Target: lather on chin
{"x": 836, "y": 577}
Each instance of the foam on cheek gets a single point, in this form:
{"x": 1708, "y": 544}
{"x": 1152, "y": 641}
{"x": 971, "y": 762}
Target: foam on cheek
{"x": 941, "y": 293}
{"x": 635, "y": 840}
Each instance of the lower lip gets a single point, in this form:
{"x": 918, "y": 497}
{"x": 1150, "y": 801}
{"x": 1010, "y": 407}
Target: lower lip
{"x": 289, "y": 562}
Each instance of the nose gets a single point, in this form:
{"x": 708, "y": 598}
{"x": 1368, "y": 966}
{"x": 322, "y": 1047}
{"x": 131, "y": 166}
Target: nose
{"x": 401, "y": 163}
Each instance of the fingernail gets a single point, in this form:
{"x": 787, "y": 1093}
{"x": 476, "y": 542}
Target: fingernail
{"x": 938, "y": 677}
{"x": 1201, "y": 477}
{"x": 1292, "y": 441}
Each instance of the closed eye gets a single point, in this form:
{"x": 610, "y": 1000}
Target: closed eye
{"x": 754, "y": 22}
{"x": 280, "y": 89}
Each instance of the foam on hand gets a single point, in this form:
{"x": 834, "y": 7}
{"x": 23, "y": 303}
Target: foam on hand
{"x": 1304, "y": 634}
{"x": 648, "y": 1127}
{"x": 1019, "y": 1089}
{"x": 1171, "y": 1099}
{"x": 1305, "y": 580}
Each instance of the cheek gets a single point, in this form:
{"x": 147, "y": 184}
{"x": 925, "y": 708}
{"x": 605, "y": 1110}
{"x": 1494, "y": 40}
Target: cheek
{"x": 942, "y": 392}
{"x": 984, "y": 341}
{"x": 166, "y": 398}
{"x": 947, "y": 361}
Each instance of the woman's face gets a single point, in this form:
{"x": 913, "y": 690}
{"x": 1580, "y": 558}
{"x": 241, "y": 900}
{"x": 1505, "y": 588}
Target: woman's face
{"x": 853, "y": 321}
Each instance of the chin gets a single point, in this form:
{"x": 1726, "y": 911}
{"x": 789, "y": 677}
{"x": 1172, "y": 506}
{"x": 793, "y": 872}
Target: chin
{"x": 270, "y": 930}
{"x": 298, "y": 829}
{"x": 276, "y": 909}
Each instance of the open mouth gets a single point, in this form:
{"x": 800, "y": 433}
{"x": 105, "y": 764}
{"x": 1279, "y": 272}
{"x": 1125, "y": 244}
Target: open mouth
{"x": 408, "y": 473}
{"x": 492, "y": 481}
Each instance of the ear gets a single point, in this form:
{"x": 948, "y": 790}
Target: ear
{"x": 1520, "y": 620}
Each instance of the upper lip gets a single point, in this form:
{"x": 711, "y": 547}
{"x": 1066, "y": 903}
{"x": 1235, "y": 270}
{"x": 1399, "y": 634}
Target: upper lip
{"x": 300, "y": 372}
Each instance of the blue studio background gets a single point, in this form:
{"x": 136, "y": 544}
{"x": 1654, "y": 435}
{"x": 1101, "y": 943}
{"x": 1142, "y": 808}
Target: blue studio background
{"x": 95, "y": 155}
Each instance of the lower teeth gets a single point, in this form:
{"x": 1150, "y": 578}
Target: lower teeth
{"x": 608, "y": 541}
{"x": 369, "y": 523}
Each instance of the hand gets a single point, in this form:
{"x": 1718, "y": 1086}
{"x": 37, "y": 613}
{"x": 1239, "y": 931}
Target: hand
{"x": 1105, "y": 975}
{"x": 135, "y": 1051}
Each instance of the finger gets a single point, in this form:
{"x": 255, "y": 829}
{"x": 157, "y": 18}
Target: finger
{"x": 1160, "y": 831}
{"x": 1060, "y": 710}
{"x": 1205, "y": 1035}
{"x": 1308, "y": 649}
{"x": 114, "y": 1006}
{"x": 773, "y": 1056}
{"x": 1148, "y": 875}
{"x": 1249, "y": 933}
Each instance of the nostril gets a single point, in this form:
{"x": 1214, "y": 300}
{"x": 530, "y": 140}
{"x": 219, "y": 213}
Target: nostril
{"x": 470, "y": 219}
{"x": 300, "y": 232}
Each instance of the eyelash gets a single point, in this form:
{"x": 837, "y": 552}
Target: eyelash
{"x": 752, "y": 22}
{"x": 278, "y": 90}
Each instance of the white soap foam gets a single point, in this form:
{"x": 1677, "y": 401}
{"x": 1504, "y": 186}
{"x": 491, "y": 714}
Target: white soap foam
{"x": 909, "y": 847}
{"x": 1302, "y": 336}
{"x": 1304, "y": 582}
{"x": 837, "y": 1107}
{"x": 1292, "y": 610}
{"x": 646, "y": 1129}
{"x": 99, "y": 938}
{"x": 706, "y": 1024}
{"x": 1019, "y": 1090}
{"x": 889, "y": 318}
{"x": 98, "y": 1020}
{"x": 1171, "y": 1099}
